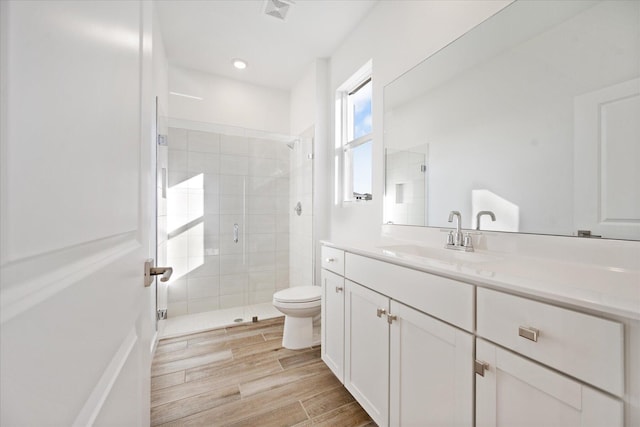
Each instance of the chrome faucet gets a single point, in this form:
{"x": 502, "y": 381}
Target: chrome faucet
{"x": 457, "y": 237}
{"x": 456, "y": 240}
{"x": 481, "y": 213}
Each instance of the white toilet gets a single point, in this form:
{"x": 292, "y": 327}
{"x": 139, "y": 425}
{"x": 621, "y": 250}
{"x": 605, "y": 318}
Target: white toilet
{"x": 299, "y": 304}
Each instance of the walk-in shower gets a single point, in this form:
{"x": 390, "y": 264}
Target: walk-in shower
{"x": 232, "y": 236}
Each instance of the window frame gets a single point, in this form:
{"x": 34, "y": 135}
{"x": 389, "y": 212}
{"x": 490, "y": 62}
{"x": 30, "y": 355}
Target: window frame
{"x": 344, "y": 192}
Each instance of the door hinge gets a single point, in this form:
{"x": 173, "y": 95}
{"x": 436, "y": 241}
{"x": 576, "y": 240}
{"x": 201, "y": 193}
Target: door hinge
{"x": 161, "y": 314}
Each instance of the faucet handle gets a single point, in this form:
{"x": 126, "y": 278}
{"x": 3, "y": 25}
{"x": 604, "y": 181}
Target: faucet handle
{"x": 468, "y": 241}
{"x": 450, "y": 238}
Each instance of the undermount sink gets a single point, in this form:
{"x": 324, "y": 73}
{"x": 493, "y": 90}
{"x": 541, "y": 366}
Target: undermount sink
{"x": 445, "y": 255}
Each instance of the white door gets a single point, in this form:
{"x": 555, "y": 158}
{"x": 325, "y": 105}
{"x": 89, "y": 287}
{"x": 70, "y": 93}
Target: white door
{"x": 607, "y": 161}
{"x": 333, "y": 322}
{"x": 366, "y": 370}
{"x": 515, "y": 391}
{"x": 431, "y": 371}
{"x": 77, "y": 181}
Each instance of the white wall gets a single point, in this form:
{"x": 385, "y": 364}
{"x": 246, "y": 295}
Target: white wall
{"x": 303, "y": 102}
{"x": 309, "y": 118}
{"x": 160, "y": 66}
{"x": 396, "y": 36}
{"x": 227, "y": 102}
{"x": 301, "y": 226}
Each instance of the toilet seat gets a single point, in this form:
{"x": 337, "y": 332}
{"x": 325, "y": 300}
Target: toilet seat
{"x": 298, "y": 294}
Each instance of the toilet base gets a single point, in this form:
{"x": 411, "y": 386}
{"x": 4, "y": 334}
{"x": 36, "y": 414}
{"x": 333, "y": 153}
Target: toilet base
{"x": 298, "y": 332}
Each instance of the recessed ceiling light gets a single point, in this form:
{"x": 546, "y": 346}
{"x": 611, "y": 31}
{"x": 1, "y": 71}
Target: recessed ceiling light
{"x": 239, "y": 63}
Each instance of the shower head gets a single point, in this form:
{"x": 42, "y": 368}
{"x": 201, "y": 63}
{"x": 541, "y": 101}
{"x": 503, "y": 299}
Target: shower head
{"x": 292, "y": 144}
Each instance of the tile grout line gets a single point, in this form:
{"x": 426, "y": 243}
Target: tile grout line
{"x": 305, "y": 410}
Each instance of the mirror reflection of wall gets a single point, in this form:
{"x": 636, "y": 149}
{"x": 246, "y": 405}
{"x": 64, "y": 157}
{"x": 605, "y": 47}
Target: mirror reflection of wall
{"x": 406, "y": 186}
{"x": 500, "y": 108}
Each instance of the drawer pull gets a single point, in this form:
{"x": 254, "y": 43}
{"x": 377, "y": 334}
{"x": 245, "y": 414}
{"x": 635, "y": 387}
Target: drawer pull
{"x": 380, "y": 312}
{"x": 329, "y": 260}
{"x": 339, "y": 289}
{"x": 529, "y": 333}
{"x": 479, "y": 367}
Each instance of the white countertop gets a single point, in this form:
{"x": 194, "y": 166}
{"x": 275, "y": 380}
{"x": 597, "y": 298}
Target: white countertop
{"x": 607, "y": 290}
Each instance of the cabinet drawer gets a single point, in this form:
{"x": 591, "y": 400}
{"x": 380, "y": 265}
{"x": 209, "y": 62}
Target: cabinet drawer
{"x": 587, "y": 347}
{"x": 333, "y": 260}
{"x": 443, "y": 298}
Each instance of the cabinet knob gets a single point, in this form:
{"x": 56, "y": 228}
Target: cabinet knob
{"x": 380, "y": 312}
{"x": 339, "y": 289}
{"x": 529, "y": 333}
{"x": 391, "y": 318}
{"x": 330, "y": 259}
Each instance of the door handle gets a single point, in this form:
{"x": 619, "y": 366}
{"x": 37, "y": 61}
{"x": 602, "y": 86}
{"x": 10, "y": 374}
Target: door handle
{"x": 150, "y": 271}
{"x": 479, "y": 367}
{"x": 236, "y": 228}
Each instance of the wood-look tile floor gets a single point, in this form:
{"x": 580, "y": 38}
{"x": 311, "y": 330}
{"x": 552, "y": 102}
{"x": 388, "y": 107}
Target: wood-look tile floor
{"x": 242, "y": 376}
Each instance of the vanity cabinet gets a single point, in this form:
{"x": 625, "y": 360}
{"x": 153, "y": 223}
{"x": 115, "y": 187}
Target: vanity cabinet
{"x": 366, "y": 369}
{"x": 514, "y": 391}
{"x": 333, "y": 322}
{"x": 430, "y": 371}
{"x": 404, "y": 367}
{"x": 418, "y": 349}
{"x": 332, "y": 318}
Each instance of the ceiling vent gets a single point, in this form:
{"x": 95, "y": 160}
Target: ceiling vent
{"x": 278, "y": 8}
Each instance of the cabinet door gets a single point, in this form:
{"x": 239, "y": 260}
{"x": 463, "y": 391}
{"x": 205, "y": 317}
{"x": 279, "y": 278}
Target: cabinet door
{"x": 515, "y": 391}
{"x": 333, "y": 322}
{"x": 431, "y": 371}
{"x": 366, "y": 370}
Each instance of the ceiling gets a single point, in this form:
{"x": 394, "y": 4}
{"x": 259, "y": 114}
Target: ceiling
{"x": 207, "y": 35}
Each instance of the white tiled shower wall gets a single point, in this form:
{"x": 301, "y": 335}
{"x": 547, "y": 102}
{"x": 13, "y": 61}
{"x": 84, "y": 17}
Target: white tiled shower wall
{"x": 406, "y": 187}
{"x": 214, "y": 182}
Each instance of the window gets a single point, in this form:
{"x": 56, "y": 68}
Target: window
{"x": 354, "y": 138}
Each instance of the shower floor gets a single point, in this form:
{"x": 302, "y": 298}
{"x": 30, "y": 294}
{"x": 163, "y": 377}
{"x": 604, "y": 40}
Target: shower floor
{"x": 191, "y": 323}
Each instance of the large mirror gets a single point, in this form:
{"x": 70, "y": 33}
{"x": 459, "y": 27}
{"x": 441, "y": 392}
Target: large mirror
{"x": 534, "y": 115}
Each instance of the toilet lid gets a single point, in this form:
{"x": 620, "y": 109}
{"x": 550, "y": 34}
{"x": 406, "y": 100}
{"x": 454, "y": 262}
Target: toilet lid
{"x": 298, "y": 294}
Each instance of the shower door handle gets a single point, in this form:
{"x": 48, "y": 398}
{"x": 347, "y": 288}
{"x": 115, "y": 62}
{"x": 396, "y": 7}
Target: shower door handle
{"x": 236, "y": 228}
